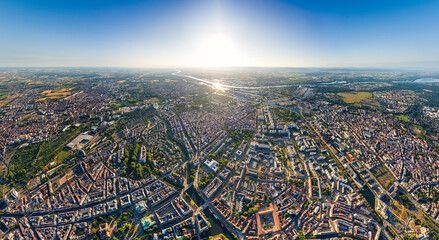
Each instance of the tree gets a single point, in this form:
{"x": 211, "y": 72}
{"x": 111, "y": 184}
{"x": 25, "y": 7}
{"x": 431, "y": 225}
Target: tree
{"x": 388, "y": 184}
{"x": 139, "y": 170}
{"x": 301, "y": 235}
{"x": 326, "y": 191}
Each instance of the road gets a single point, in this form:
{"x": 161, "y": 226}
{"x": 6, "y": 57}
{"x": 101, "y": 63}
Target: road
{"x": 335, "y": 156}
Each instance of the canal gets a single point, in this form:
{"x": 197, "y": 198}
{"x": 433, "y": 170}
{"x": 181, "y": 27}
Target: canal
{"x": 216, "y": 227}
{"x": 194, "y": 195}
{"x": 368, "y": 195}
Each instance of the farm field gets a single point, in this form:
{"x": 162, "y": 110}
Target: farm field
{"x": 5, "y": 99}
{"x": 55, "y": 94}
{"x": 355, "y": 97}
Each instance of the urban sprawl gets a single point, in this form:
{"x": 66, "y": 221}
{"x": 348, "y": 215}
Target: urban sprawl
{"x": 158, "y": 154}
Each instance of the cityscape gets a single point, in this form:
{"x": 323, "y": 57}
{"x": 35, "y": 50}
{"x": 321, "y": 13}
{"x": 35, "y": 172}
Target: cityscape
{"x": 166, "y": 154}
{"x": 219, "y": 120}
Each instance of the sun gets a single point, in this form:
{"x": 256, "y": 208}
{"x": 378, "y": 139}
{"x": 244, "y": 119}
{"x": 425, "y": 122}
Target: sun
{"x": 216, "y": 50}
{"x": 219, "y": 87}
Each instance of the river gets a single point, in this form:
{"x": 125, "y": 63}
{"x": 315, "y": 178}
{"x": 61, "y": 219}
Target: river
{"x": 221, "y": 86}
{"x": 427, "y": 80}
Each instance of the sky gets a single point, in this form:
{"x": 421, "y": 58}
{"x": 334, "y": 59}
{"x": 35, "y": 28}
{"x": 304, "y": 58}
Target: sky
{"x": 217, "y": 33}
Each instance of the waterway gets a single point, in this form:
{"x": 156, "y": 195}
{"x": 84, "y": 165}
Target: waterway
{"x": 216, "y": 227}
{"x": 333, "y": 83}
{"x": 194, "y": 195}
{"x": 3, "y": 227}
{"x": 368, "y": 195}
{"x": 306, "y": 94}
{"x": 220, "y": 86}
{"x": 427, "y": 80}
{"x": 223, "y": 87}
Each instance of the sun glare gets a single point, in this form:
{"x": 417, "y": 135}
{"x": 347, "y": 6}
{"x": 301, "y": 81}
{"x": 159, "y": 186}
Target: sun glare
{"x": 219, "y": 86}
{"x": 216, "y": 50}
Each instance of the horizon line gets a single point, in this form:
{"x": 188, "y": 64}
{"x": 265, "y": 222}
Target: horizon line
{"x": 225, "y": 67}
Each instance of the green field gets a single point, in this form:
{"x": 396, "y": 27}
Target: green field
{"x": 62, "y": 156}
{"x": 355, "y": 97}
{"x": 403, "y": 117}
{"x": 3, "y": 95}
